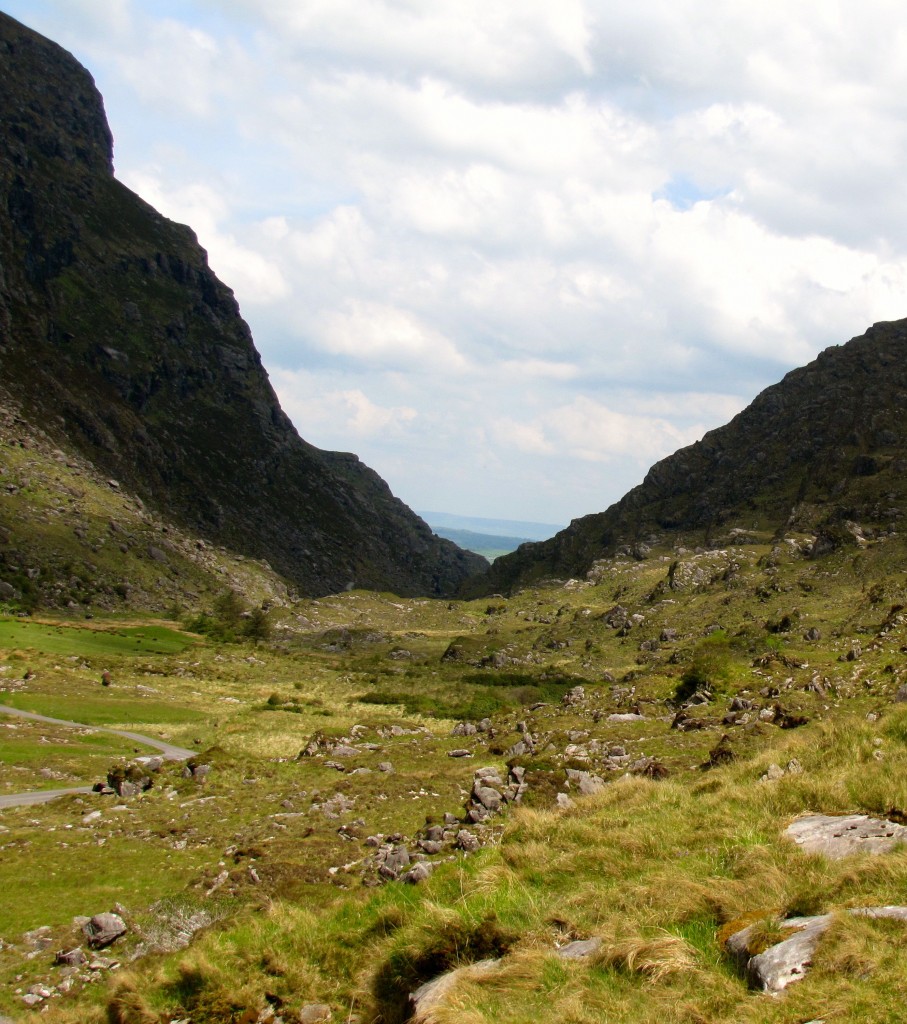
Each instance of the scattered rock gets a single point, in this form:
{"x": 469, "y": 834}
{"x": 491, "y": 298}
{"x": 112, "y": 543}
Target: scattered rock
{"x": 467, "y": 841}
{"x": 464, "y": 729}
{"x": 71, "y": 957}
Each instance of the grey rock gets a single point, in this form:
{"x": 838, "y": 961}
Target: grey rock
{"x": 489, "y": 798}
{"x": 840, "y": 836}
{"x": 628, "y": 717}
{"x": 418, "y": 873}
{"x": 430, "y": 846}
{"x": 518, "y": 749}
{"x": 71, "y": 957}
{"x": 396, "y": 860}
{"x": 585, "y": 782}
{"x": 787, "y": 961}
{"x": 430, "y": 995}
{"x": 467, "y": 841}
{"x": 460, "y": 752}
{"x": 314, "y": 1013}
{"x": 103, "y": 929}
{"x": 464, "y": 729}
{"x": 579, "y": 949}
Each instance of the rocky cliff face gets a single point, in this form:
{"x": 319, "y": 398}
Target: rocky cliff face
{"x": 823, "y": 448}
{"x": 118, "y": 340}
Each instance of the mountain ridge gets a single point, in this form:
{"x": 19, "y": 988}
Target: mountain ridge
{"x": 121, "y": 343}
{"x": 820, "y": 448}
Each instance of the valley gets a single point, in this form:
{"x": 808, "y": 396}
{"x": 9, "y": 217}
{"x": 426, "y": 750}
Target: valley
{"x": 651, "y": 814}
{"x": 307, "y": 760}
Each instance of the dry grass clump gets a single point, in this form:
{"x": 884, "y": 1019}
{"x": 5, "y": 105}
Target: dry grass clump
{"x": 655, "y": 957}
{"x": 127, "y": 1005}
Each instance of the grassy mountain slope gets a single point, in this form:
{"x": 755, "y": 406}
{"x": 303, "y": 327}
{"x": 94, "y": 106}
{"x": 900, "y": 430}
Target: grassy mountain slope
{"x": 824, "y": 446}
{"x": 118, "y": 341}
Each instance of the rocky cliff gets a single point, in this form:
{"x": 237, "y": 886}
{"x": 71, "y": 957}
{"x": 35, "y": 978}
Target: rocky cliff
{"x": 821, "y": 451}
{"x": 118, "y": 341}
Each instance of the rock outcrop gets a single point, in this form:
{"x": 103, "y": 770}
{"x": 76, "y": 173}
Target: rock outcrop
{"x": 118, "y": 341}
{"x": 816, "y": 452}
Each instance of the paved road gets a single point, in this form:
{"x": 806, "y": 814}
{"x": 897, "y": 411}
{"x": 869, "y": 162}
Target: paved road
{"x": 41, "y": 796}
{"x": 38, "y": 796}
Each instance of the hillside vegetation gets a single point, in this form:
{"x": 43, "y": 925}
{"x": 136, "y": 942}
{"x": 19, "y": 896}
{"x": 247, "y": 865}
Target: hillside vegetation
{"x": 270, "y": 855}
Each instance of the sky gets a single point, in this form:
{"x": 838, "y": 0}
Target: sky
{"x": 512, "y": 252}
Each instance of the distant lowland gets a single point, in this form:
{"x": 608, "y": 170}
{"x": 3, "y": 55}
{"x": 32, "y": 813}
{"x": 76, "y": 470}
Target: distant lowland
{"x": 490, "y": 538}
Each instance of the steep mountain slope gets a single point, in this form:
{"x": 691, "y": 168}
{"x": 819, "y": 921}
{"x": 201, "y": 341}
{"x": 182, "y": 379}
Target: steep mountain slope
{"x": 118, "y": 340}
{"x": 822, "y": 448}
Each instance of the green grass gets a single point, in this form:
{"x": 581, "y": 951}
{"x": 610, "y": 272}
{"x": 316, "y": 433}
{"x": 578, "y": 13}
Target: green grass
{"x": 80, "y": 640}
{"x": 654, "y": 869}
{"x": 109, "y": 709}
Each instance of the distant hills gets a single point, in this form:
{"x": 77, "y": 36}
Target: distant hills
{"x": 490, "y": 538}
{"x": 121, "y": 345}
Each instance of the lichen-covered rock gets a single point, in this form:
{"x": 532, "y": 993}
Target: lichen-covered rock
{"x": 840, "y": 836}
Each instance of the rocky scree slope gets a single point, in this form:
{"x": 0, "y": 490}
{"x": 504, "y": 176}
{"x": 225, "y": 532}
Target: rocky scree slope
{"x": 819, "y": 450}
{"x": 119, "y": 341}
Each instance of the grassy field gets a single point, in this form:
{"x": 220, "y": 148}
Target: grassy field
{"x": 273, "y": 845}
{"x": 95, "y": 640}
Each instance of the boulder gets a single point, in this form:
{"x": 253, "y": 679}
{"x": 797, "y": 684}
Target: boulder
{"x": 786, "y": 961}
{"x": 314, "y": 1013}
{"x": 579, "y": 949}
{"x": 467, "y": 841}
{"x": 837, "y": 836}
{"x": 430, "y": 995}
{"x": 103, "y": 929}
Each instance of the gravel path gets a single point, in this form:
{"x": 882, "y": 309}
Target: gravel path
{"x": 169, "y": 750}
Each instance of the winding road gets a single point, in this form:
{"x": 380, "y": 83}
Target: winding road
{"x": 42, "y": 796}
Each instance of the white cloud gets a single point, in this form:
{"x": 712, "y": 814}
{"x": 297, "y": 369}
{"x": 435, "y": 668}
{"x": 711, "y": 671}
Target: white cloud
{"x": 509, "y": 244}
{"x": 373, "y": 333}
{"x": 592, "y": 432}
{"x": 349, "y": 414}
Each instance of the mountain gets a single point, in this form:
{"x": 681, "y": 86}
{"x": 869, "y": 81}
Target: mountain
{"x": 121, "y": 345}
{"x": 822, "y": 453}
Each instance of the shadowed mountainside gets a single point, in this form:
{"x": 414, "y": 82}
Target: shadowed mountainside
{"x": 118, "y": 341}
{"x": 820, "y": 449}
